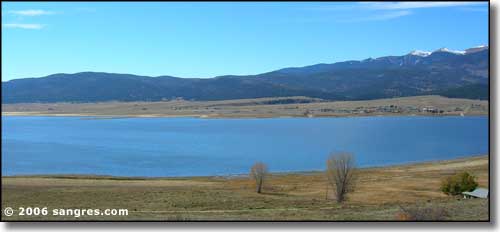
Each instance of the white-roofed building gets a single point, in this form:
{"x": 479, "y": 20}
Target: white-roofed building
{"x": 477, "y": 193}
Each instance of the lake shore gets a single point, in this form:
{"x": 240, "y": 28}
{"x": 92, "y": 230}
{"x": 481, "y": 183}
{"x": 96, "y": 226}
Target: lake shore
{"x": 289, "y": 107}
{"x": 471, "y": 159}
{"x": 379, "y": 195}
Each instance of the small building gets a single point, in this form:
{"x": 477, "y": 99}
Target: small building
{"x": 430, "y": 109}
{"x": 477, "y": 193}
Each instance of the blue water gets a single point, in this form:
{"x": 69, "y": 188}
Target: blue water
{"x": 192, "y": 146}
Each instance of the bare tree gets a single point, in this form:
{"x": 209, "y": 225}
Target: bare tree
{"x": 259, "y": 172}
{"x": 340, "y": 169}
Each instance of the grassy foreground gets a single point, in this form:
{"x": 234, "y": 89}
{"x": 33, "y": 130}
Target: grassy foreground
{"x": 379, "y": 194}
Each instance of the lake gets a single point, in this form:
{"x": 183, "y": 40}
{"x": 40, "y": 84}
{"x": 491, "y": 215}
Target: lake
{"x": 196, "y": 147}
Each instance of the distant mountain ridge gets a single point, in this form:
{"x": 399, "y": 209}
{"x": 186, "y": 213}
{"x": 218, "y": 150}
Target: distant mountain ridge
{"x": 460, "y": 74}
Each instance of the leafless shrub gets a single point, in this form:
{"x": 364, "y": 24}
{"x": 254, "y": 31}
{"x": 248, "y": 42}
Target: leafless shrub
{"x": 422, "y": 213}
{"x": 340, "y": 169}
{"x": 259, "y": 172}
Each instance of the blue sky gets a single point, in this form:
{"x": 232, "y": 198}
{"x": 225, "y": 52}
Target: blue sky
{"x": 211, "y": 39}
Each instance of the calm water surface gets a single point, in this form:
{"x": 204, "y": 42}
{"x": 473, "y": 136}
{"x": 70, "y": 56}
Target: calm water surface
{"x": 192, "y": 146}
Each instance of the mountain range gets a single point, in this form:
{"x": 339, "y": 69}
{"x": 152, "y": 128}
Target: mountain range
{"x": 445, "y": 72}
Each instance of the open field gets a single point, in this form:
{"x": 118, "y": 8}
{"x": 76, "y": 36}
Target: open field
{"x": 262, "y": 107}
{"x": 379, "y": 194}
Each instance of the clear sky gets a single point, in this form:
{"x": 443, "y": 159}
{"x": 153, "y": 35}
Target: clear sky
{"x": 211, "y": 39}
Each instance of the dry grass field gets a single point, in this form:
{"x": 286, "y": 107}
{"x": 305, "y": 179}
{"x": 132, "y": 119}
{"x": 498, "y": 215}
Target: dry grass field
{"x": 261, "y": 107}
{"x": 379, "y": 195}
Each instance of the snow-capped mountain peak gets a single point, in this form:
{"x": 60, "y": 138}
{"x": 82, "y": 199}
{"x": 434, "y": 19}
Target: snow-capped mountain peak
{"x": 450, "y": 51}
{"x": 420, "y": 53}
{"x": 476, "y": 49}
{"x": 456, "y": 52}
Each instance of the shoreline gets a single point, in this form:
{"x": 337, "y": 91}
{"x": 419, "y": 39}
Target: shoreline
{"x": 96, "y": 116}
{"x": 232, "y": 176}
{"x": 379, "y": 194}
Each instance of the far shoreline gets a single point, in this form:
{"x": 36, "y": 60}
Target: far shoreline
{"x": 298, "y": 107}
{"x": 97, "y": 117}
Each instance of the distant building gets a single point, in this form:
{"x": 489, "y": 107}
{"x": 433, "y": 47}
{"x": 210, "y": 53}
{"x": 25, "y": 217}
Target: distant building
{"x": 432, "y": 109}
{"x": 477, "y": 193}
